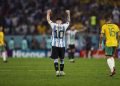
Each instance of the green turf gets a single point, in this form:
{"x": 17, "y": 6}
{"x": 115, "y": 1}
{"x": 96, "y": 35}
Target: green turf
{"x": 40, "y": 72}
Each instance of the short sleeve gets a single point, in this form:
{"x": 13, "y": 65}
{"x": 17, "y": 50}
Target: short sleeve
{"x": 76, "y": 31}
{"x": 103, "y": 27}
{"x": 68, "y": 32}
{"x": 51, "y": 24}
{"x": 117, "y": 28}
{"x": 66, "y": 25}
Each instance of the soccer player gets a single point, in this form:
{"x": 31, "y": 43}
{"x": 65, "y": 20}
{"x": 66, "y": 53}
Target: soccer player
{"x": 111, "y": 32}
{"x": 58, "y": 41}
{"x": 71, "y": 43}
{"x": 2, "y": 45}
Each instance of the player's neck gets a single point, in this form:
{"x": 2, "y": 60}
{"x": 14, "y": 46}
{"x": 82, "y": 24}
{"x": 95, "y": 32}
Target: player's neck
{"x": 109, "y": 22}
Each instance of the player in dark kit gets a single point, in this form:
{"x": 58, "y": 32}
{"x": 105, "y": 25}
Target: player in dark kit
{"x": 58, "y": 41}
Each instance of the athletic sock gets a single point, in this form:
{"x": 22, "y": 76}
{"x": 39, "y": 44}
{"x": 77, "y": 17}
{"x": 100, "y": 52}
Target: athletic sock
{"x": 56, "y": 64}
{"x": 62, "y": 65}
{"x": 69, "y": 55}
{"x": 109, "y": 62}
{"x": 72, "y": 55}
{"x": 112, "y": 63}
{"x": 4, "y": 56}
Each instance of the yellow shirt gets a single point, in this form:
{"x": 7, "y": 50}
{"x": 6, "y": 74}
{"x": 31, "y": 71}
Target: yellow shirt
{"x": 110, "y": 31}
{"x": 78, "y": 26}
{"x": 1, "y": 39}
{"x": 41, "y": 29}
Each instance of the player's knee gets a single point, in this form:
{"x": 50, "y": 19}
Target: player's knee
{"x": 73, "y": 50}
{"x": 62, "y": 61}
{"x": 55, "y": 60}
{"x": 69, "y": 50}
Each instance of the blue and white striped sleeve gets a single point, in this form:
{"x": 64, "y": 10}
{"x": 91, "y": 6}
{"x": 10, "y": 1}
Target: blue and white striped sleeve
{"x": 66, "y": 25}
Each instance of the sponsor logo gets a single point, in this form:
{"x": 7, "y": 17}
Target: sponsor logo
{"x": 19, "y": 53}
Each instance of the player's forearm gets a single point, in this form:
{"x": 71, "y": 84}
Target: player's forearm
{"x": 84, "y": 28}
{"x": 68, "y": 17}
{"x": 48, "y": 17}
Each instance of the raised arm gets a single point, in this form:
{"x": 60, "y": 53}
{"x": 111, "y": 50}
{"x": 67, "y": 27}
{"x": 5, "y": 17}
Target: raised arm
{"x": 48, "y": 16}
{"x": 68, "y": 15}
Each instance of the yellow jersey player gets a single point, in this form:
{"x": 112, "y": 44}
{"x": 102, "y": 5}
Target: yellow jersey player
{"x": 2, "y": 45}
{"x": 111, "y": 33}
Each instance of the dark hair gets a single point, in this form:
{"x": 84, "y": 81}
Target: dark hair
{"x": 59, "y": 18}
{"x": 1, "y": 26}
{"x": 108, "y": 16}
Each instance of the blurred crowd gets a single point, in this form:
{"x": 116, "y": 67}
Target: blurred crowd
{"x": 23, "y": 17}
{"x": 28, "y": 43}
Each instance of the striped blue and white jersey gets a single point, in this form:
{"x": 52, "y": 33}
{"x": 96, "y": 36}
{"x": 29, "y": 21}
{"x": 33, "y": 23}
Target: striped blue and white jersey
{"x": 58, "y": 34}
{"x": 71, "y": 37}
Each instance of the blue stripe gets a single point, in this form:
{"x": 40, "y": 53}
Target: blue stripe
{"x": 58, "y": 37}
{"x": 63, "y": 37}
{"x": 54, "y": 36}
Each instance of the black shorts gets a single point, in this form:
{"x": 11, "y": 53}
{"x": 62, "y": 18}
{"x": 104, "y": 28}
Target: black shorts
{"x": 71, "y": 47}
{"x": 88, "y": 47}
{"x": 58, "y": 52}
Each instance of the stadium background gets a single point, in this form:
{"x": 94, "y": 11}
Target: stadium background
{"x": 27, "y": 30}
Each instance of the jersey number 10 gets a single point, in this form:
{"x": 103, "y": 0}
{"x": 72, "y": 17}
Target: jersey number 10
{"x": 59, "y": 34}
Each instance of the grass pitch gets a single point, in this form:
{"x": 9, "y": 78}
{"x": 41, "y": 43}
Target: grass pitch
{"x": 40, "y": 72}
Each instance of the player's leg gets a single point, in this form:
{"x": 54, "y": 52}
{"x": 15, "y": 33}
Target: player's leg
{"x": 113, "y": 61}
{"x": 72, "y": 54}
{"x": 61, "y": 55}
{"x": 110, "y": 59}
{"x": 54, "y": 56}
{"x": 3, "y": 53}
{"x": 56, "y": 66}
{"x": 4, "y": 56}
{"x": 87, "y": 51}
{"x": 69, "y": 53}
{"x": 62, "y": 67}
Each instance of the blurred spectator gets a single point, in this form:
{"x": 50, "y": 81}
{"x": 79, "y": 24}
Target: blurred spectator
{"x": 48, "y": 43}
{"x": 29, "y": 16}
{"x": 93, "y": 20}
{"x": 43, "y": 43}
{"x": 34, "y": 43}
{"x": 116, "y": 15}
{"x": 11, "y": 44}
{"x": 93, "y": 23}
{"x": 24, "y": 44}
{"x": 88, "y": 46}
{"x": 41, "y": 29}
{"x": 22, "y": 29}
